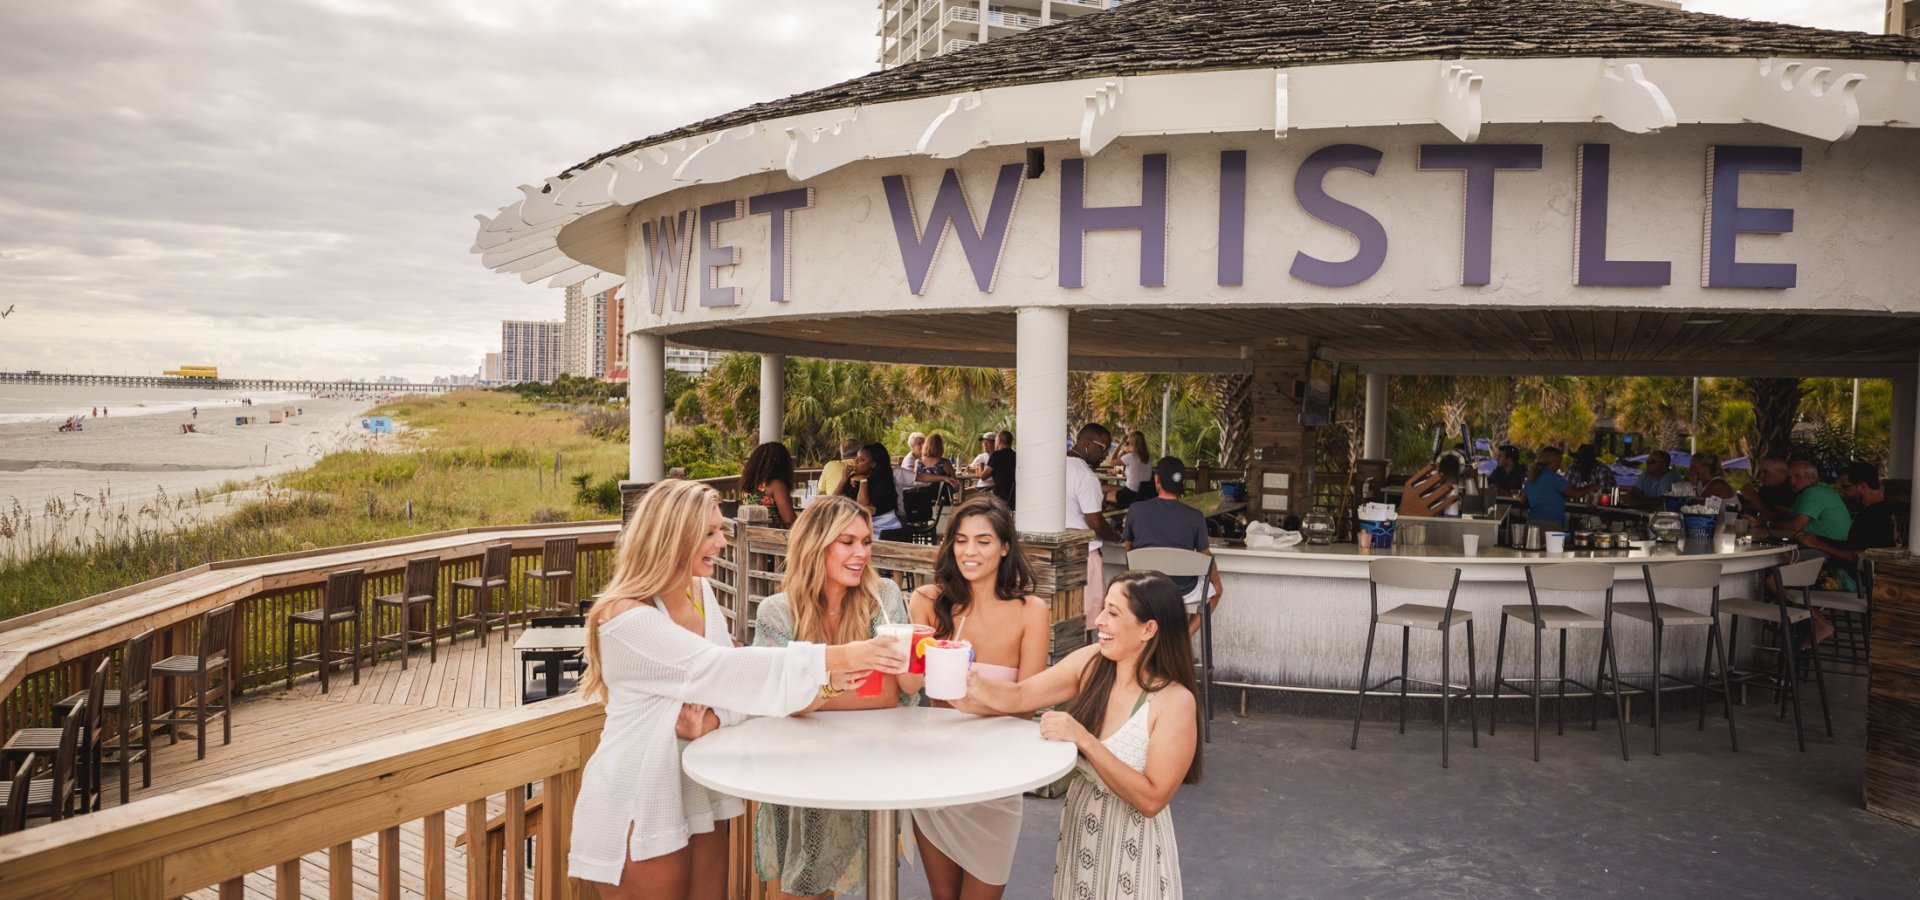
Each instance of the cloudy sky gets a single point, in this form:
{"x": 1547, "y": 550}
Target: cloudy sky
{"x": 285, "y": 187}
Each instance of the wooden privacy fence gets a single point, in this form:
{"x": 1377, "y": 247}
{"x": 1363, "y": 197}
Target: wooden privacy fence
{"x": 251, "y": 830}
{"x": 45, "y": 656}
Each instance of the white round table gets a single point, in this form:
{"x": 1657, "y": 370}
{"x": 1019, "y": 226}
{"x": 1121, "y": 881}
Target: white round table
{"x": 880, "y": 761}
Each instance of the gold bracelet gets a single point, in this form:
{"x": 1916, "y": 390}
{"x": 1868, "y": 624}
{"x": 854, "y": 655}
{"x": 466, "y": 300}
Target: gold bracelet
{"x": 828, "y": 691}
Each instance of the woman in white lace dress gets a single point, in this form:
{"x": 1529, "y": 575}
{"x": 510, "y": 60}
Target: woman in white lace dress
{"x": 982, "y": 591}
{"x": 1133, "y": 716}
{"x": 659, "y": 657}
{"x": 830, "y": 595}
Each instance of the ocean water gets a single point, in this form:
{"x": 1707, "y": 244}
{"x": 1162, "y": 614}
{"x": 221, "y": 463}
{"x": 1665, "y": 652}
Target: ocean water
{"x": 54, "y": 403}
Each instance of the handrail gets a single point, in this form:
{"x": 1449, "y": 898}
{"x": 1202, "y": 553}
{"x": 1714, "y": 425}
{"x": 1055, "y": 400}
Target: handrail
{"x": 168, "y": 845}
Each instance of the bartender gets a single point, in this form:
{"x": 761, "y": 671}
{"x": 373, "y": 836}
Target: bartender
{"x": 1547, "y": 491}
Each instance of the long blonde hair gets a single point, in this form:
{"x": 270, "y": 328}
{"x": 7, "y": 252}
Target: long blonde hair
{"x": 650, "y": 559}
{"x": 805, "y": 581}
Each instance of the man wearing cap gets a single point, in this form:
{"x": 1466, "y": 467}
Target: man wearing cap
{"x": 978, "y": 468}
{"x": 1164, "y": 521}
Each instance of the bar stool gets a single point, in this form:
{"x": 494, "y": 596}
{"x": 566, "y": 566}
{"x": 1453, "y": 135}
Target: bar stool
{"x": 54, "y": 797}
{"x": 85, "y": 715}
{"x": 1558, "y": 578}
{"x": 419, "y": 589}
{"x": 131, "y": 698}
{"x": 15, "y": 794}
{"x": 214, "y": 658}
{"x": 1175, "y": 562}
{"x": 493, "y": 576}
{"x": 1784, "y": 678}
{"x": 1851, "y": 613}
{"x": 555, "y": 575}
{"x": 340, "y": 605}
{"x": 1677, "y": 576}
{"x": 1414, "y": 575}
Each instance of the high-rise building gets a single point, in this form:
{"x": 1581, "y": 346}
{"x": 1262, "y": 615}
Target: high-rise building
{"x": 586, "y": 333}
{"x": 532, "y": 351}
{"x": 918, "y": 29}
{"x": 1903, "y": 17}
{"x": 691, "y": 361}
{"x": 614, "y": 344}
{"x": 490, "y": 368}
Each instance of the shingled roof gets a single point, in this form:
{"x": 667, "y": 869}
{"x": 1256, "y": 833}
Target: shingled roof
{"x": 1154, "y": 36}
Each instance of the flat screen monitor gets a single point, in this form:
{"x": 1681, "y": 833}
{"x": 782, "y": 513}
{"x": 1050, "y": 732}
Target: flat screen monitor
{"x": 1322, "y": 395}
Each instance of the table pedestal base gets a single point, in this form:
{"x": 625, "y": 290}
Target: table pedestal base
{"x": 883, "y": 865}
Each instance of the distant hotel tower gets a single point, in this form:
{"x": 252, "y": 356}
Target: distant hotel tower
{"x": 532, "y": 351}
{"x": 918, "y": 29}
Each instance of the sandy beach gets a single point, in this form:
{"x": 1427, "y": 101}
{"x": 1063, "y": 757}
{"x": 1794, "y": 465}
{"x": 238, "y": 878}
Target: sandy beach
{"x": 131, "y": 460}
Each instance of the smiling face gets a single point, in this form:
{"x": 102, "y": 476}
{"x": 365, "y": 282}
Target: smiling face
{"x": 977, "y": 550}
{"x": 712, "y": 541}
{"x": 848, "y": 555}
{"x": 1122, "y": 635}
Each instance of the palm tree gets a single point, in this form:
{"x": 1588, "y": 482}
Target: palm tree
{"x": 1776, "y": 404}
{"x": 1660, "y": 408}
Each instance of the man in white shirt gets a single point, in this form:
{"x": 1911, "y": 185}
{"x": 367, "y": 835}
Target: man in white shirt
{"x": 979, "y": 465}
{"x": 1082, "y": 509}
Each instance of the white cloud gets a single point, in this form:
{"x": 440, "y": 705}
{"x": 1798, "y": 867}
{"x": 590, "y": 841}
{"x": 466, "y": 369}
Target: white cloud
{"x": 285, "y": 188}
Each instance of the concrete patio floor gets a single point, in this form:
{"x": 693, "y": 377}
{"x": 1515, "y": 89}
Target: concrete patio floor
{"x": 1286, "y": 810}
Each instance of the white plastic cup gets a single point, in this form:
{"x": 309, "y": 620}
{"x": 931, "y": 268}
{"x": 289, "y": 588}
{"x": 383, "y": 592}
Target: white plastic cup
{"x": 947, "y": 664}
{"x": 901, "y": 636}
{"x": 1470, "y": 544}
{"x": 1556, "y": 543}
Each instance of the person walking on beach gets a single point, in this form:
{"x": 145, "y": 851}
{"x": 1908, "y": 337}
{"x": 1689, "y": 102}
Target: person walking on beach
{"x": 196, "y": 412}
{"x": 660, "y": 656}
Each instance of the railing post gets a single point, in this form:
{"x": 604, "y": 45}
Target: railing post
{"x": 516, "y": 832}
{"x": 286, "y": 880}
{"x": 340, "y": 871}
{"x": 389, "y": 863}
{"x": 481, "y": 867}
{"x": 434, "y": 836}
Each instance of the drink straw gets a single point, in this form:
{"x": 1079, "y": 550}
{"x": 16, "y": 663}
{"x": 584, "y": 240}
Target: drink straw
{"x": 958, "y": 629}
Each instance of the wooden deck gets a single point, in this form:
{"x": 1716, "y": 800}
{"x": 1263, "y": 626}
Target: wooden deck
{"x": 274, "y": 725}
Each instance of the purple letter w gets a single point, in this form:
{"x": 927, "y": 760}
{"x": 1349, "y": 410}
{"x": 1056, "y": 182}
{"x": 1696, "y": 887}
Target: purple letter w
{"x": 982, "y": 246}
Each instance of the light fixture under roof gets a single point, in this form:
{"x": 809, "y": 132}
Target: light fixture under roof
{"x": 809, "y": 331}
{"x": 1540, "y": 336}
{"x": 1372, "y": 326}
{"x": 1704, "y": 321}
{"x": 1100, "y": 319}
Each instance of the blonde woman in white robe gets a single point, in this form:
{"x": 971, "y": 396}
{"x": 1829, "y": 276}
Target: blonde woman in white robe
{"x": 660, "y": 657}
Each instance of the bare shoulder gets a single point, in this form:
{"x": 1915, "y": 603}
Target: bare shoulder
{"x": 1036, "y": 609}
{"x": 1175, "y": 699}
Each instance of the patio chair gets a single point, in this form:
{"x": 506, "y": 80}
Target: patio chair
{"x": 920, "y": 512}
{"x": 1668, "y": 577}
{"x": 1174, "y": 562}
{"x": 1558, "y": 578}
{"x": 494, "y": 565}
{"x": 339, "y": 605}
{"x": 45, "y": 742}
{"x": 1423, "y": 577}
{"x": 198, "y": 672}
{"x": 1784, "y": 677}
{"x": 419, "y": 591}
{"x": 558, "y": 556}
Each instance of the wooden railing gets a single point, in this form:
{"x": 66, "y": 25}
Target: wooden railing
{"x": 247, "y": 833}
{"x": 44, "y": 656}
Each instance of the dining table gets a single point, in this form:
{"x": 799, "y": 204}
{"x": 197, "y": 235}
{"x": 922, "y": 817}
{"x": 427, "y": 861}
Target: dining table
{"x": 553, "y": 646}
{"x": 878, "y": 761}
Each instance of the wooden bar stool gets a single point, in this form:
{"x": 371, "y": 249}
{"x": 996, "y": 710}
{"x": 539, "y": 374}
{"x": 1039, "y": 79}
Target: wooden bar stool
{"x": 558, "y": 556}
{"x": 419, "y": 590}
{"x": 1425, "y": 577}
{"x": 494, "y": 566}
{"x": 46, "y": 742}
{"x": 199, "y": 671}
{"x": 340, "y": 606}
{"x": 14, "y": 796}
{"x": 126, "y": 702}
{"x": 1700, "y": 575}
{"x": 1784, "y": 677}
{"x": 1558, "y": 578}
{"x": 53, "y": 797}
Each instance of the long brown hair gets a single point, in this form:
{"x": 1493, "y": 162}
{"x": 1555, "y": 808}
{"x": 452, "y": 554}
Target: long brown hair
{"x": 806, "y": 576}
{"x": 1013, "y": 581}
{"x": 1167, "y": 659}
{"x": 650, "y": 559}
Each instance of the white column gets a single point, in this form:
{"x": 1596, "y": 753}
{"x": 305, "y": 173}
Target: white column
{"x": 773, "y": 396}
{"x": 1900, "y": 442}
{"x": 646, "y": 407}
{"x": 1040, "y": 417}
{"x": 1373, "y": 440}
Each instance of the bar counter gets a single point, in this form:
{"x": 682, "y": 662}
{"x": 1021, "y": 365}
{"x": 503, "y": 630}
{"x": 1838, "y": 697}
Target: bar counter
{"x": 1296, "y": 618}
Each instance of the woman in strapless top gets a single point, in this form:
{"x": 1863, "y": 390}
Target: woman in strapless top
{"x": 982, "y": 593}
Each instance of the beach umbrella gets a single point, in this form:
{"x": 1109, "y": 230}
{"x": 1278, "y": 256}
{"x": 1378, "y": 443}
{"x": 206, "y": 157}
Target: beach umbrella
{"x": 1738, "y": 462}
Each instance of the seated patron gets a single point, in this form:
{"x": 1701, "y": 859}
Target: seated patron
{"x": 1704, "y": 471}
{"x": 1817, "y": 509}
{"x": 767, "y": 479}
{"x": 1769, "y": 497}
{"x": 833, "y": 475}
{"x": 870, "y": 483}
{"x": 978, "y": 470}
{"x": 1588, "y": 474}
{"x": 934, "y": 467}
{"x": 1652, "y": 485}
{"x": 1164, "y": 521}
{"x": 1000, "y": 469}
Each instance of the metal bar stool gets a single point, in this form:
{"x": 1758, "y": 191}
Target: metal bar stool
{"x": 555, "y": 575}
{"x": 1851, "y": 613}
{"x": 339, "y": 606}
{"x": 45, "y": 742}
{"x": 1174, "y": 562}
{"x": 1678, "y": 576}
{"x": 214, "y": 658}
{"x": 494, "y": 566}
{"x": 1414, "y": 575}
{"x": 1784, "y": 678}
{"x": 419, "y": 590}
{"x": 1558, "y": 578}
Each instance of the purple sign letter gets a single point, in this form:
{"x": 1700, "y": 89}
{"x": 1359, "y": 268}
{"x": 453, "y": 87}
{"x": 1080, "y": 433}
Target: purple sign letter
{"x": 715, "y": 256}
{"x": 781, "y": 205}
{"x": 1727, "y": 219}
{"x": 1481, "y": 162}
{"x": 981, "y": 246}
{"x": 1150, "y": 217}
{"x": 1233, "y": 216}
{"x": 1590, "y": 263}
{"x": 669, "y": 244}
{"x": 1312, "y": 195}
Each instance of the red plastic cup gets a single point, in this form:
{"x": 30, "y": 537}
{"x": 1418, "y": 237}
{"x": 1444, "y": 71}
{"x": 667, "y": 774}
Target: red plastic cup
{"x": 917, "y": 657}
{"x": 870, "y": 685}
